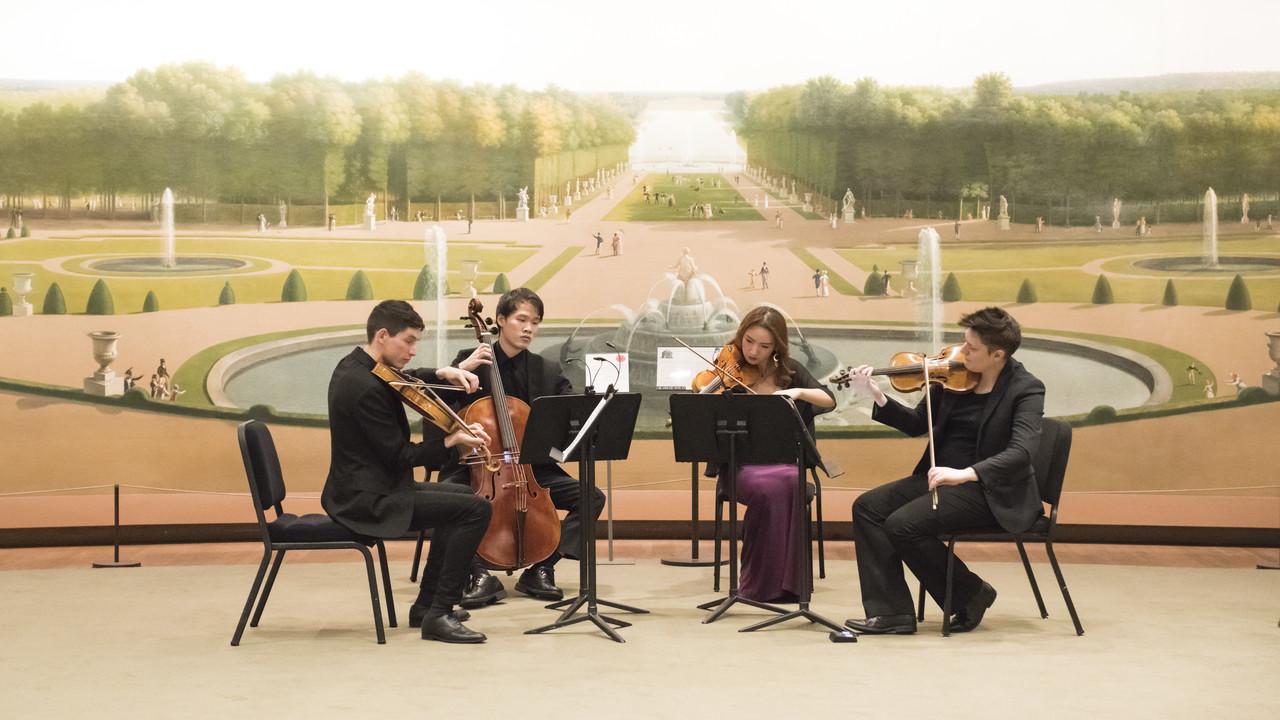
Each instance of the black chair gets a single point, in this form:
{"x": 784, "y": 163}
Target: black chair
{"x": 293, "y": 532}
{"x": 813, "y": 497}
{"x": 1050, "y": 465}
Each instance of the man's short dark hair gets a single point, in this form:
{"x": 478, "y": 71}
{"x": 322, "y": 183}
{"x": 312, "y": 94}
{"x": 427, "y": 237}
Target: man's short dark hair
{"x": 393, "y": 316}
{"x": 511, "y": 300}
{"x": 996, "y": 328}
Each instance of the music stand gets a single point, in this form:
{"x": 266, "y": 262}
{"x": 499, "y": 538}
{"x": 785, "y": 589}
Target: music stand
{"x": 588, "y": 428}
{"x": 733, "y": 429}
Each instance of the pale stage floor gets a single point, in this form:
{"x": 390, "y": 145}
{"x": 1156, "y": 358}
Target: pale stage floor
{"x": 1170, "y": 633}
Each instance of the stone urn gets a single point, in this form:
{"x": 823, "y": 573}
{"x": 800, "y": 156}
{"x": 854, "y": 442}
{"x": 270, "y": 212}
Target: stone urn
{"x": 104, "y": 382}
{"x": 21, "y": 288}
{"x": 1271, "y": 381}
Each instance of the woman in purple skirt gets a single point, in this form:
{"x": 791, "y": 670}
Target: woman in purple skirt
{"x": 770, "y": 554}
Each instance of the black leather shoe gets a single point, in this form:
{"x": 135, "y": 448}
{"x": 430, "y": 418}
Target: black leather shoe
{"x": 883, "y": 625}
{"x": 970, "y": 616}
{"x": 417, "y": 612}
{"x": 482, "y": 590}
{"x": 446, "y": 628}
{"x": 539, "y": 581}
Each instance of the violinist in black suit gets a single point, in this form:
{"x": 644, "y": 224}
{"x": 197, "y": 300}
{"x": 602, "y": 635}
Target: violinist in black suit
{"x": 985, "y": 441}
{"x": 528, "y": 376}
{"x": 370, "y": 488}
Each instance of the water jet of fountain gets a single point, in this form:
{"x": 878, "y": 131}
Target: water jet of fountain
{"x": 1209, "y": 231}
{"x": 928, "y": 300}
{"x": 437, "y": 240}
{"x": 166, "y": 223}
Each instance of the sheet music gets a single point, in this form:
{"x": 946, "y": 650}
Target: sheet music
{"x": 559, "y": 455}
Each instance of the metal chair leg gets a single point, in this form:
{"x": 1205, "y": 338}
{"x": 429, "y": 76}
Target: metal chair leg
{"x": 253, "y": 594}
{"x": 266, "y": 591}
{"x": 946, "y": 603}
{"x": 715, "y": 568}
{"x": 920, "y": 605}
{"x": 386, "y": 584}
{"x": 373, "y": 593}
{"x": 1035, "y": 587}
{"x": 417, "y": 557}
{"x": 1066, "y": 596}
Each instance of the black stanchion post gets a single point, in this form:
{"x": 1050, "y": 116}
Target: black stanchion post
{"x": 115, "y": 536}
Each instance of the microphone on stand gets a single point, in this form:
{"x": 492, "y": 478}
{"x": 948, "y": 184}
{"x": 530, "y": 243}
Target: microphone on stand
{"x": 616, "y": 370}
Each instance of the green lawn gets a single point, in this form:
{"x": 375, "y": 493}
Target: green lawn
{"x": 995, "y": 272}
{"x": 326, "y": 266}
{"x": 724, "y": 198}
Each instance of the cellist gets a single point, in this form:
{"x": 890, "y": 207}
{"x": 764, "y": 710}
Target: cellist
{"x": 527, "y": 376}
{"x": 370, "y": 488}
{"x": 984, "y": 442}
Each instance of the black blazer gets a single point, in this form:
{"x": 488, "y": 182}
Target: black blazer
{"x": 370, "y": 485}
{"x": 1008, "y": 435}
{"x": 546, "y": 377}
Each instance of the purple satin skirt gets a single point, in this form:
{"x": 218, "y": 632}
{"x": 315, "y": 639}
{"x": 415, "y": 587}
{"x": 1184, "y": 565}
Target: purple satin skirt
{"x": 770, "y": 554}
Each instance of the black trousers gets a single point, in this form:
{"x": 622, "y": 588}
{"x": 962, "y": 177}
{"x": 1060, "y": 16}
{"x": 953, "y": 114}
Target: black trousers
{"x": 565, "y": 495}
{"x": 457, "y": 518}
{"x": 895, "y": 524}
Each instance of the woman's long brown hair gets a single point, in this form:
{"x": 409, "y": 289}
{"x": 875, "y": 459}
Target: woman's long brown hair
{"x": 771, "y": 320}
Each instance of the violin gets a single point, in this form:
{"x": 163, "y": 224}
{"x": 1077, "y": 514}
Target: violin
{"x": 906, "y": 371}
{"x": 729, "y": 371}
{"x": 911, "y": 371}
{"x": 421, "y": 396}
{"x": 524, "y": 527}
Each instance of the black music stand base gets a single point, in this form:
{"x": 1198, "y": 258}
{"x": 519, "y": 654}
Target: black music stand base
{"x": 600, "y": 621}
{"x": 720, "y": 606}
{"x": 572, "y": 605}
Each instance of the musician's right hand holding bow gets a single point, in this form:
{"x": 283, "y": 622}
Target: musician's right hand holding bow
{"x": 474, "y": 439}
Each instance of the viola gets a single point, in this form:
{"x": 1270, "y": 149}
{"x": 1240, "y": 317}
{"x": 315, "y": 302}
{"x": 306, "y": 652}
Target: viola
{"x": 524, "y": 527}
{"x": 421, "y": 396}
{"x": 906, "y": 371}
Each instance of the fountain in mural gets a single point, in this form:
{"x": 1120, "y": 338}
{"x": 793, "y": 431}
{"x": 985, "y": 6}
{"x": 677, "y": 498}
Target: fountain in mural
{"x": 168, "y": 261}
{"x": 436, "y": 242}
{"x": 166, "y": 222}
{"x": 1209, "y": 232}
{"x": 1209, "y": 261}
{"x": 927, "y": 282}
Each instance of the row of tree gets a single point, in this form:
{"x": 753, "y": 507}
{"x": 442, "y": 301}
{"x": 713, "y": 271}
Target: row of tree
{"x": 210, "y": 134}
{"x": 922, "y": 142}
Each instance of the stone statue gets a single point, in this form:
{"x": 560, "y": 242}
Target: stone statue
{"x": 1115, "y": 213}
{"x": 370, "y": 204}
{"x": 284, "y": 216}
{"x": 1244, "y": 208}
{"x": 524, "y": 197}
{"x": 686, "y": 268}
{"x": 847, "y": 203}
{"x": 1004, "y": 207}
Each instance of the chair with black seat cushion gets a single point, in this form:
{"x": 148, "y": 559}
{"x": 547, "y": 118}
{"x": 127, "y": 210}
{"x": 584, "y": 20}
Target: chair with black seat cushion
{"x": 813, "y": 498}
{"x": 1050, "y": 463}
{"x": 294, "y": 532}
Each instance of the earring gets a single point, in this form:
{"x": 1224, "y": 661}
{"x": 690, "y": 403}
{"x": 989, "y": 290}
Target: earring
{"x": 775, "y": 358}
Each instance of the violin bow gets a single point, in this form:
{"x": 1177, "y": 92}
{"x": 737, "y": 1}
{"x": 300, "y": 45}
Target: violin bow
{"x": 928, "y": 408}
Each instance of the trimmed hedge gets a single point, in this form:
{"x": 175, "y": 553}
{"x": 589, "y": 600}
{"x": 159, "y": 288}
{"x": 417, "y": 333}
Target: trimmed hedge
{"x": 874, "y": 284}
{"x": 1238, "y": 296}
{"x": 1170, "y": 298}
{"x": 1102, "y": 413}
{"x": 951, "y": 288}
{"x": 1102, "y": 294}
{"x": 26, "y": 232}
{"x": 100, "y": 302}
{"x": 1251, "y": 395}
{"x": 227, "y": 296}
{"x": 151, "y": 303}
{"x": 6, "y": 303}
{"x": 295, "y": 290}
{"x": 1027, "y": 293}
{"x": 501, "y": 284}
{"x": 11, "y": 234}
{"x": 424, "y": 288}
{"x": 359, "y": 288}
{"x": 54, "y": 301}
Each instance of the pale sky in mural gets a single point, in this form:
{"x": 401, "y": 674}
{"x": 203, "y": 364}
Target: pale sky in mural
{"x": 645, "y": 45}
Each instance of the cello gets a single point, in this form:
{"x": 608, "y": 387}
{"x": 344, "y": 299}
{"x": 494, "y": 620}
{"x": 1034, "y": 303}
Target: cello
{"x": 524, "y": 527}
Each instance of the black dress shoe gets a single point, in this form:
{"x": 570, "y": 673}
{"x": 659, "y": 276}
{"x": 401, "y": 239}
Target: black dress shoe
{"x": 483, "y": 589}
{"x": 446, "y": 628}
{"x": 539, "y": 581}
{"x": 970, "y": 616}
{"x": 417, "y": 612}
{"x": 883, "y": 625}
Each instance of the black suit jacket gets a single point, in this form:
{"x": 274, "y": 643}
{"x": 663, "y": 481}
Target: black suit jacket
{"x": 546, "y": 377}
{"x": 370, "y": 485}
{"x": 1008, "y": 435}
